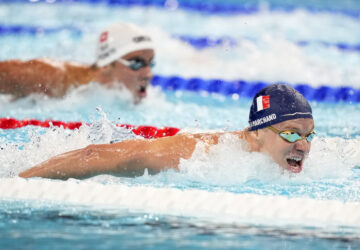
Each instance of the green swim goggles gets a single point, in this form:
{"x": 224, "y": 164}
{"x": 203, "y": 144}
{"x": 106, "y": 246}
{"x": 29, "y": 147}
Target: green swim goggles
{"x": 292, "y": 136}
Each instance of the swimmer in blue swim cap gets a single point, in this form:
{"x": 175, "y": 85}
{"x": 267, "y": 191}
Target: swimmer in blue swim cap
{"x": 124, "y": 55}
{"x": 281, "y": 126}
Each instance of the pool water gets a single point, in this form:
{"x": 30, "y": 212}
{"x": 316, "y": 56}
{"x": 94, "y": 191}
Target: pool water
{"x": 226, "y": 199}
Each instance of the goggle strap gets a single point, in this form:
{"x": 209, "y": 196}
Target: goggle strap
{"x": 125, "y": 62}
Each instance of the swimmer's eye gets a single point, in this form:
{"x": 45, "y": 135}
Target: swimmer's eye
{"x": 290, "y": 136}
{"x": 310, "y": 136}
{"x": 152, "y": 64}
{"x": 137, "y": 63}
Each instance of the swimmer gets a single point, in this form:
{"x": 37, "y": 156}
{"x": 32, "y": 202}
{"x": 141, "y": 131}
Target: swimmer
{"x": 125, "y": 55}
{"x": 281, "y": 126}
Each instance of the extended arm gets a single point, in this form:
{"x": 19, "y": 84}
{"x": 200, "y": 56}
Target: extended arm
{"x": 35, "y": 76}
{"x": 123, "y": 158}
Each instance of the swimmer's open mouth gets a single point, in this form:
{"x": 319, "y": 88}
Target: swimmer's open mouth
{"x": 142, "y": 91}
{"x": 295, "y": 163}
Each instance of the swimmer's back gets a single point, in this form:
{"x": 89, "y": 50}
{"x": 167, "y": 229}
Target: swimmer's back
{"x": 50, "y": 77}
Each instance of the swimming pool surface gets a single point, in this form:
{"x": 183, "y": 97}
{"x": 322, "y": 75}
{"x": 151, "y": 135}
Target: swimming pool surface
{"x": 227, "y": 199}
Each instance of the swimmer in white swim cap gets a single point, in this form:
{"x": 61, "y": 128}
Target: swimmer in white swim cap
{"x": 281, "y": 126}
{"x": 125, "y": 55}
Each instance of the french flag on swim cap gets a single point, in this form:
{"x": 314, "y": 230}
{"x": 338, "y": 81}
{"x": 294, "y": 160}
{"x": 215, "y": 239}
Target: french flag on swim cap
{"x": 286, "y": 104}
{"x": 262, "y": 102}
{"x": 104, "y": 36}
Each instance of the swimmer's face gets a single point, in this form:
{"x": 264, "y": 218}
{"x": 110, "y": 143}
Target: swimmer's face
{"x": 289, "y": 156}
{"x": 137, "y": 80}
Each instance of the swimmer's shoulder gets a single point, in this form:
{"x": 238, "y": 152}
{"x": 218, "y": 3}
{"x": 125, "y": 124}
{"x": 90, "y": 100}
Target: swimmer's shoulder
{"x": 21, "y": 78}
{"x": 78, "y": 73}
{"x": 70, "y": 73}
{"x": 49, "y": 63}
{"x": 44, "y": 62}
{"x": 73, "y": 73}
{"x": 33, "y": 65}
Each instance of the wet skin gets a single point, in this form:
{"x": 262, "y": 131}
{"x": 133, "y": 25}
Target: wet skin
{"x": 289, "y": 156}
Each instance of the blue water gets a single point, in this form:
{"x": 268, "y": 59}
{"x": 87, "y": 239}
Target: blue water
{"x": 83, "y": 228}
{"x": 266, "y": 50}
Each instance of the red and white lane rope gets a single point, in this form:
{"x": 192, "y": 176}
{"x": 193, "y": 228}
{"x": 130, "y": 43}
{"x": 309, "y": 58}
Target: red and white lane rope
{"x": 144, "y": 131}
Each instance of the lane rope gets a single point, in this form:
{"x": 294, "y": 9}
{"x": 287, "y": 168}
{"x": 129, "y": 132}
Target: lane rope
{"x": 197, "y": 42}
{"x": 36, "y": 30}
{"x": 242, "y": 88}
{"x": 144, "y": 131}
{"x": 219, "y": 205}
{"x": 208, "y": 7}
{"x": 205, "y": 42}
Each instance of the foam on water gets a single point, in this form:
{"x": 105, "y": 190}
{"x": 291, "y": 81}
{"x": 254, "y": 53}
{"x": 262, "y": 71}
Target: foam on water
{"x": 228, "y": 164}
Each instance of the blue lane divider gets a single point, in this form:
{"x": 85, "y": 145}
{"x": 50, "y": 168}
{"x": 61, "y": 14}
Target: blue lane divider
{"x": 212, "y": 7}
{"x": 35, "y": 30}
{"x": 197, "y": 42}
{"x": 204, "y": 42}
{"x": 340, "y": 46}
{"x": 241, "y": 88}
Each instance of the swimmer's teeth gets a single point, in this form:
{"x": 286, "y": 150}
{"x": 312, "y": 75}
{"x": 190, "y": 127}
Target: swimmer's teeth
{"x": 294, "y": 159}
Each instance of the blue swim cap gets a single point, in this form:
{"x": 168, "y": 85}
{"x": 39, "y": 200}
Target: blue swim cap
{"x": 277, "y": 103}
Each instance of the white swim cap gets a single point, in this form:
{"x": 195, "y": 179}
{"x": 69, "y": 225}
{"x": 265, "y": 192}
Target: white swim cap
{"x": 120, "y": 39}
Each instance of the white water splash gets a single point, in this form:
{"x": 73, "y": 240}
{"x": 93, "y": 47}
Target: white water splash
{"x": 16, "y": 157}
{"x": 229, "y": 164}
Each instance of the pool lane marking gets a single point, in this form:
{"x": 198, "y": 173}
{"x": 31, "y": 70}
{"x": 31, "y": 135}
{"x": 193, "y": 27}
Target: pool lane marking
{"x": 220, "y": 205}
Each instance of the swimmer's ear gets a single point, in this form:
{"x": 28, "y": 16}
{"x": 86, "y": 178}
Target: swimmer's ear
{"x": 254, "y": 139}
{"x": 260, "y": 136}
{"x": 252, "y": 134}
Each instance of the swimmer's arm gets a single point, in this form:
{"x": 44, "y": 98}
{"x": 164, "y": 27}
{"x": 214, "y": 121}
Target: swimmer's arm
{"x": 21, "y": 78}
{"x": 123, "y": 158}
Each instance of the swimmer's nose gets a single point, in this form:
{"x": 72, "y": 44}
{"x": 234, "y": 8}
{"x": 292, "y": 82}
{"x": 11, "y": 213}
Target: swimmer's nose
{"x": 302, "y": 145}
{"x": 146, "y": 73}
